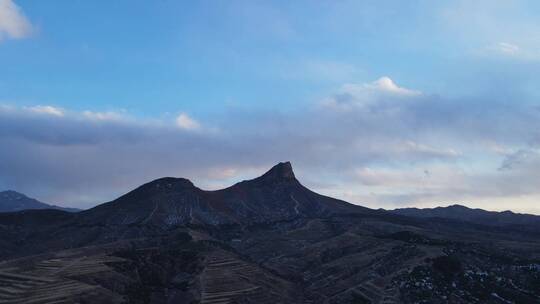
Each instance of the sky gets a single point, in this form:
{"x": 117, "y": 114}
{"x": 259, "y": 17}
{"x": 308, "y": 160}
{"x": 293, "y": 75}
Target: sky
{"x": 385, "y": 104}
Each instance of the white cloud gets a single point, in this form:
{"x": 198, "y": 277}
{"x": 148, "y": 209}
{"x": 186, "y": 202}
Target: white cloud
{"x": 49, "y": 110}
{"x": 387, "y": 85}
{"x": 365, "y": 94}
{"x": 184, "y": 121}
{"x": 525, "y": 51}
{"x": 382, "y": 85}
{"x": 13, "y": 24}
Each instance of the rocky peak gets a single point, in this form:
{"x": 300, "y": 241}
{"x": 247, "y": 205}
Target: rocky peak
{"x": 280, "y": 172}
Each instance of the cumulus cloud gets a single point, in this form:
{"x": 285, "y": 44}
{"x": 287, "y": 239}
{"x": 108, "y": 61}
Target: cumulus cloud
{"x": 385, "y": 84}
{"x": 184, "y": 121}
{"x": 13, "y": 23}
{"x": 366, "y": 94}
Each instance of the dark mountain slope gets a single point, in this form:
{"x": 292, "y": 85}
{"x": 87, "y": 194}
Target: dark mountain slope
{"x": 276, "y": 195}
{"x": 11, "y": 201}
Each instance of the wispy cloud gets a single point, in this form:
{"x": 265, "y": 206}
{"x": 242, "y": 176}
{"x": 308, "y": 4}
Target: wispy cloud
{"x": 48, "y": 110}
{"x": 103, "y": 116}
{"x": 13, "y": 23}
{"x": 507, "y": 48}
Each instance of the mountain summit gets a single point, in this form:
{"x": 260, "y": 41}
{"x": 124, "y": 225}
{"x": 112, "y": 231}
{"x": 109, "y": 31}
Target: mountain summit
{"x": 280, "y": 172}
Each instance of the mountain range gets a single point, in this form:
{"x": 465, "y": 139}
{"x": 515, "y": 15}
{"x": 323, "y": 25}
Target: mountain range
{"x": 479, "y": 216}
{"x": 11, "y": 201}
{"x": 265, "y": 240}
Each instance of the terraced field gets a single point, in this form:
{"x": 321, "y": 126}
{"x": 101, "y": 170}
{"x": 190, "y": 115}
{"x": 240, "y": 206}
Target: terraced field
{"x": 228, "y": 279}
{"x": 55, "y": 280}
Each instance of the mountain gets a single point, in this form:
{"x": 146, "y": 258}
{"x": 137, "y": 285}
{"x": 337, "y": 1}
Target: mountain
{"x": 275, "y": 196}
{"x": 265, "y": 240}
{"x": 11, "y": 201}
{"x": 479, "y": 216}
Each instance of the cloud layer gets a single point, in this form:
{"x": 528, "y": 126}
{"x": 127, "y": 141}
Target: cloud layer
{"x": 376, "y": 144}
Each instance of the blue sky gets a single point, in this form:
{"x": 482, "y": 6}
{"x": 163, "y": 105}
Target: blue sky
{"x": 382, "y": 103}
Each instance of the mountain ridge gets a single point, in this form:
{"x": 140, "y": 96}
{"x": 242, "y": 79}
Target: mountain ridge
{"x": 474, "y": 215}
{"x": 275, "y": 195}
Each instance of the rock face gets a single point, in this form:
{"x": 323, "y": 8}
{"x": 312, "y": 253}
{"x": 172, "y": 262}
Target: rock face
{"x": 267, "y": 240}
{"x": 276, "y": 195}
{"x": 11, "y": 201}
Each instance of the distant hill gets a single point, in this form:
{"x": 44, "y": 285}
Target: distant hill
{"x": 478, "y": 216}
{"x": 11, "y": 201}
